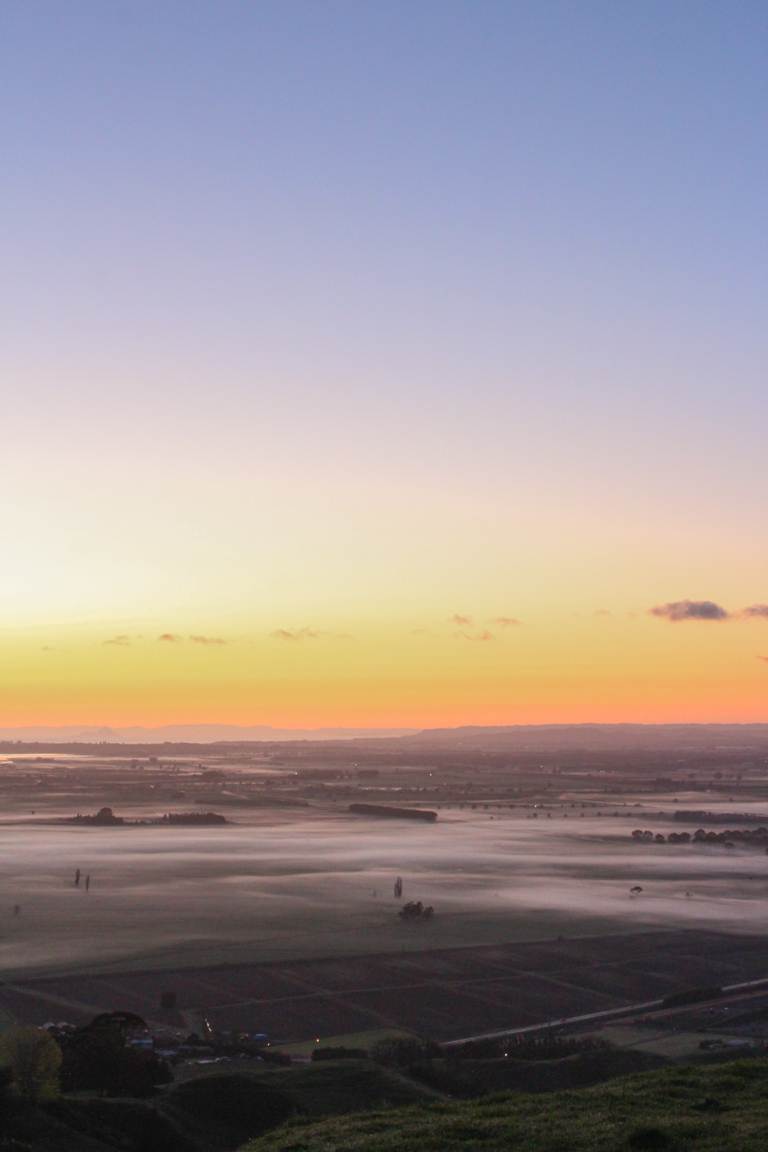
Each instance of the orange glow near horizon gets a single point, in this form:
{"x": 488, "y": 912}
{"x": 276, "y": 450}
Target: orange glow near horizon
{"x": 578, "y": 669}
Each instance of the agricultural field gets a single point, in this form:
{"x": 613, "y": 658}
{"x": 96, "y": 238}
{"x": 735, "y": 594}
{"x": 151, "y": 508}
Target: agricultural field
{"x": 284, "y": 918}
{"x": 443, "y": 994}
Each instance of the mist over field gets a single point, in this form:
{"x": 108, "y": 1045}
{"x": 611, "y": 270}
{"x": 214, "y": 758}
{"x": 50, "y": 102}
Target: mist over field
{"x": 289, "y": 884}
{"x": 442, "y": 885}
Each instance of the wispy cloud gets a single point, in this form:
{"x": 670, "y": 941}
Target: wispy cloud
{"x": 506, "y": 622}
{"x": 475, "y": 637}
{"x": 678, "y": 610}
{"x": 755, "y": 612}
{"x": 461, "y": 621}
{"x": 121, "y": 641}
{"x": 176, "y": 638}
{"x": 295, "y": 634}
{"x": 764, "y": 659}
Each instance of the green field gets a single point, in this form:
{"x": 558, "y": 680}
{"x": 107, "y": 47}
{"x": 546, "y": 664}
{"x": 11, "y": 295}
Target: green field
{"x": 720, "y": 1108}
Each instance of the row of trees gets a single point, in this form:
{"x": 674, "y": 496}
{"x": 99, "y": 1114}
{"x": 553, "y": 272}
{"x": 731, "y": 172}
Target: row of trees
{"x": 728, "y": 837}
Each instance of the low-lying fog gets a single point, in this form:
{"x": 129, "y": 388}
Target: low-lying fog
{"x": 310, "y": 884}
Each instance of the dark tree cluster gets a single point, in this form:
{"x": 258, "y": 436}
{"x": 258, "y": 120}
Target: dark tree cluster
{"x": 415, "y": 910}
{"x": 404, "y": 1051}
{"x": 547, "y": 1046}
{"x": 100, "y": 1058}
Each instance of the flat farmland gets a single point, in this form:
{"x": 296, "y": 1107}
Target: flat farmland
{"x": 285, "y": 918}
{"x": 290, "y": 886}
{"x": 444, "y": 994}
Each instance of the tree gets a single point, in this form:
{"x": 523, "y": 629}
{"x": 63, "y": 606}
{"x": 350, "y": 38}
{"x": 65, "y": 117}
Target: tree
{"x": 97, "y": 1057}
{"x": 34, "y": 1059}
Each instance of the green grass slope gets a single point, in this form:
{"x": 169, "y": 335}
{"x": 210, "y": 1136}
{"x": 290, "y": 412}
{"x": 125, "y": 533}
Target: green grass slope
{"x": 341, "y": 1086}
{"x": 721, "y": 1108}
{"x": 215, "y": 1113}
{"x": 221, "y": 1111}
{"x": 90, "y": 1126}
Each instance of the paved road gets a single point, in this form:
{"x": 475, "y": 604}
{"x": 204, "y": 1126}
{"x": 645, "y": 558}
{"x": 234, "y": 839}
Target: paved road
{"x": 646, "y": 1006}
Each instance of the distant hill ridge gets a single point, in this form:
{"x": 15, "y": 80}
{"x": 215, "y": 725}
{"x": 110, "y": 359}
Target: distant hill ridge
{"x": 498, "y": 737}
{"x": 598, "y": 736}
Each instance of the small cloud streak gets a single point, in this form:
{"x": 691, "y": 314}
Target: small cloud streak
{"x": 755, "y": 612}
{"x": 764, "y": 659}
{"x": 175, "y": 638}
{"x": 461, "y": 621}
{"x": 118, "y": 641}
{"x": 506, "y": 622}
{"x": 475, "y": 637}
{"x": 295, "y": 634}
{"x": 678, "y": 610}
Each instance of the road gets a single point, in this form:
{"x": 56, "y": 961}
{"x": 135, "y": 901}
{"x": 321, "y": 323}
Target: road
{"x": 732, "y": 991}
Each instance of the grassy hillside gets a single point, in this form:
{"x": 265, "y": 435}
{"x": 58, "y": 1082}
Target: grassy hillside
{"x": 90, "y": 1126}
{"x": 341, "y": 1086}
{"x": 214, "y": 1113}
{"x": 221, "y": 1111}
{"x": 722, "y": 1108}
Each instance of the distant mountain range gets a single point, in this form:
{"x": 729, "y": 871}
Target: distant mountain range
{"x": 596, "y": 737}
{"x": 518, "y": 737}
{"x": 188, "y": 734}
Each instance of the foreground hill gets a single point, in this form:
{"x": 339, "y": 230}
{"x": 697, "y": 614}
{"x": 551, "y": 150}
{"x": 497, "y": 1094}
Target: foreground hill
{"x": 215, "y": 1113}
{"x": 720, "y": 1108}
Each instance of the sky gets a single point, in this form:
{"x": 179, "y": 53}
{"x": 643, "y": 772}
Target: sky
{"x": 383, "y": 363}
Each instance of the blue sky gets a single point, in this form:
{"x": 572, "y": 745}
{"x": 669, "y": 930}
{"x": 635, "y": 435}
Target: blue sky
{"x": 386, "y": 280}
